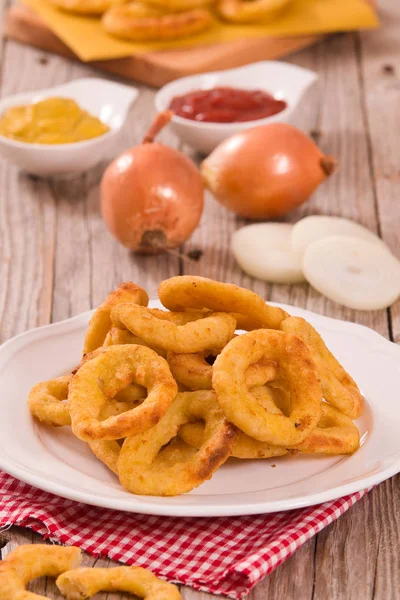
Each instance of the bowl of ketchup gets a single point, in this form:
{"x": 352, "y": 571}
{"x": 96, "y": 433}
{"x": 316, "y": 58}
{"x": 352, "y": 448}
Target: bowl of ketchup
{"x": 214, "y": 106}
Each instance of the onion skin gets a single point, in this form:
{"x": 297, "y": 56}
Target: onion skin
{"x": 266, "y": 172}
{"x": 152, "y": 198}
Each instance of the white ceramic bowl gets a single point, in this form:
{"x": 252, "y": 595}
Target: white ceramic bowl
{"x": 106, "y": 100}
{"x": 284, "y": 81}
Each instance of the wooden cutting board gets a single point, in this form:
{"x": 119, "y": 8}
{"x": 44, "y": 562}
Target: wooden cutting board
{"x": 158, "y": 68}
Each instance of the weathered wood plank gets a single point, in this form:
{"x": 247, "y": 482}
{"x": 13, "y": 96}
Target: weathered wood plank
{"x": 379, "y": 59}
{"x": 27, "y": 221}
{"x": 380, "y": 73}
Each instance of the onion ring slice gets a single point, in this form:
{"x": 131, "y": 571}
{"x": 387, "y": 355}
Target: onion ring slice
{"x": 208, "y": 333}
{"x": 251, "y": 311}
{"x": 117, "y": 336}
{"x": 245, "y": 447}
{"x": 31, "y": 561}
{"x": 100, "y": 323}
{"x": 178, "y": 5}
{"x": 107, "y": 451}
{"x": 86, "y": 7}
{"x": 338, "y": 387}
{"x": 334, "y": 434}
{"x": 47, "y": 402}
{"x": 239, "y": 11}
{"x": 86, "y": 582}
{"x": 295, "y": 367}
{"x": 104, "y": 377}
{"x": 141, "y": 22}
{"x": 144, "y": 468}
{"x": 195, "y": 373}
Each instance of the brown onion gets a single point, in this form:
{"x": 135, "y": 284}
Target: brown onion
{"x": 152, "y": 196}
{"x": 266, "y": 171}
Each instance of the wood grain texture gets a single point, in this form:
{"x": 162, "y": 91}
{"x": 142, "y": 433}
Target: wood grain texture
{"x": 56, "y": 259}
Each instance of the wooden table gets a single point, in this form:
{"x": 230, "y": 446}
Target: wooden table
{"x": 57, "y": 260}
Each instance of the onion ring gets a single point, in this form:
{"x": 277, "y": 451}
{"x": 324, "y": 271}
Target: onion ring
{"x": 31, "y": 561}
{"x": 208, "y": 333}
{"x": 338, "y": 387}
{"x": 334, "y": 434}
{"x": 251, "y": 311}
{"x": 239, "y": 11}
{"x": 195, "y": 373}
{"x": 140, "y": 22}
{"x": 86, "y": 7}
{"x": 107, "y": 374}
{"x": 100, "y": 323}
{"x": 295, "y": 367}
{"x": 117, "y": 336}
{"x": 245, "y": 447}
{"x": 107, "y": 451}
{"x": 144, "y": 469}
{"x": 178, "y": 5}
{"x": 47, "y": 402}
{"x": 86, "y": 582}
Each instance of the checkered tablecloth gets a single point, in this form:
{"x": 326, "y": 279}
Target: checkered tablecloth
{"x": 226, "y": 555}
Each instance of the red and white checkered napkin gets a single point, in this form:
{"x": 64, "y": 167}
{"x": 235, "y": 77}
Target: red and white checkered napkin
{"x": 226, "y": 555}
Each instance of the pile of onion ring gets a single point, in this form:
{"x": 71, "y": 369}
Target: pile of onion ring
{"x": 164, "y": 397}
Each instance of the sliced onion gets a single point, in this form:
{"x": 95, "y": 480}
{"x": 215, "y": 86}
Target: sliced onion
{"x": 316, "y": 227}
{"x": 264, "y": 251}
{"x": 353, "y": 272}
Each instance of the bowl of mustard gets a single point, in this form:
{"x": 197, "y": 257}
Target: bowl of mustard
{"x": 65, "y": 129}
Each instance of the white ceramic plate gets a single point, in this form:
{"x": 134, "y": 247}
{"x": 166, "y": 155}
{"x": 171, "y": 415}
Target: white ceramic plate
{"x": 55, "y": 461}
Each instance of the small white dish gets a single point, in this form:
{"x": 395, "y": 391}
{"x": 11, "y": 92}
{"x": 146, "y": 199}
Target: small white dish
{"x": 55, "y": 461}
{"x": 108, "y": 101}
{"x": 283, "y": 80}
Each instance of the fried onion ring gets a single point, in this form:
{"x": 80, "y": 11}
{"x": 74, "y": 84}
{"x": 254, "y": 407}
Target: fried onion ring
{"x": 338, "y": 387}
{"x": 250, "y": 11}
{"x": 195, "y": 373}
{"x": 100, "y": 323}
{"x": 47, "y": 402}
{"x": 31, "y": 561}
{"x": 117, "y": 336}
{"x": 251, "y": 311}
{"x": 295, "y": 367}
{"x": 86, "y": 7}
{"x": 245, "y": 447}
{"x": 178, "y": 5}
{"x": 334, "y": 434}
{"x": 104, "y": 377}
{"x": 140, "y": 22}
{"x": 107, "y": 451}
{"x": 145, "y": 468}
{"x": 86, "y": 582}
{"x": 208, "y": 333}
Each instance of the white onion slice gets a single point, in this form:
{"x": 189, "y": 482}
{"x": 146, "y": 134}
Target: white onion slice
{"x": 353, "y": 272}
{"x": 313, "y": 228}
{"x": 264, "y": 251}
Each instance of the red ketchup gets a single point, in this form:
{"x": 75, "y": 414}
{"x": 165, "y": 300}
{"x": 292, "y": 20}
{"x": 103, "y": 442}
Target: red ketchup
{"x": 226, "y": 105}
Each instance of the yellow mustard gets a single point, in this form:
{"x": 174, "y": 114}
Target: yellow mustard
{"x": 51, "y": 121}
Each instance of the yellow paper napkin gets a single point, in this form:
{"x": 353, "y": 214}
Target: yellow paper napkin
{"x": 87, "y": 38}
